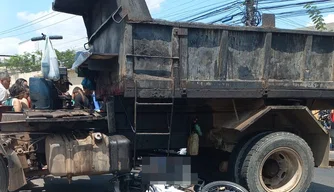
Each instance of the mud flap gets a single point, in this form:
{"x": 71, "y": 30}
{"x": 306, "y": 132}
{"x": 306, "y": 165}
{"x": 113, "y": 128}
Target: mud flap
{"x": 17, "y": 177}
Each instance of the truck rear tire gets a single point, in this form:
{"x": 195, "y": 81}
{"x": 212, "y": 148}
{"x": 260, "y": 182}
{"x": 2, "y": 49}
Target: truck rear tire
{"x": 239, "y": 154}
{"x": 4, "y": 177}
{"x": 280, "y": 161}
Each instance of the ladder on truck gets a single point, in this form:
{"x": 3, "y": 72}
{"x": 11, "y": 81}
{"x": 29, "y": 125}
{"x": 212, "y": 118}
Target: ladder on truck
{"x": 169, "y": 126}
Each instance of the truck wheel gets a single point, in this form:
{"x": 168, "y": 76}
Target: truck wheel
{"x": 279, "y": 161}
{"x": 239, "y": 154}
{"x": 223, "y": 186}
{"x": 3, "y": 176}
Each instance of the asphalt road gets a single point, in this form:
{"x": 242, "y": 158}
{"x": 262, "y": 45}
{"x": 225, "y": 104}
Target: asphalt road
{"x": 323, "y": 181}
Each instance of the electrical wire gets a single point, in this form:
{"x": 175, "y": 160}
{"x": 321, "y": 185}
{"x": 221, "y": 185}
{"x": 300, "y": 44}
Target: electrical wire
{"x": 33, "y": 22}
{"x": 178, "y": 6}
{"x": 70, "y": 41}
{"x": 212, "y": 13}
{"x": 195, "y": 11}
{"x": 209, "y": 12}
{"x": 40, "y": 28}
{"x": 287, "y": 19}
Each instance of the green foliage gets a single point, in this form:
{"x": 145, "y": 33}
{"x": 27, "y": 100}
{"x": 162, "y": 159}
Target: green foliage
{"x": 23, "y": 63}
{"x": 316, "y": 17}
{"x": 29, "y": 62}
{"x": 66, "y": 57}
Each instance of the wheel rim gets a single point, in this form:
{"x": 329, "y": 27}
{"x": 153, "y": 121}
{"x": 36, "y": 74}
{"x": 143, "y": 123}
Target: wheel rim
{"x": 224, "y": 188}
{"x": 281, "y": 170}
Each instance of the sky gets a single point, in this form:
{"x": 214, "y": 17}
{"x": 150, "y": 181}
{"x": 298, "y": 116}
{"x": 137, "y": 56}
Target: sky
{"x": 20, "y": 24}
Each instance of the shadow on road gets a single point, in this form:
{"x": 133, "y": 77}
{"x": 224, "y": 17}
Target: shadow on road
{"x": 94, "y": 184}
{"x": 316, "y": 187}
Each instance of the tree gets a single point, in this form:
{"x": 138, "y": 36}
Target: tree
{"x": 316, "y": 16}
{"x": 29, "y": 62}
{"x": 66, "y": 57}
{"x": 23, "y": 63}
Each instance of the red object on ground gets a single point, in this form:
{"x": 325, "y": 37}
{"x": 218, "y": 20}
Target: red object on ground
{"x": 332, "y": 115}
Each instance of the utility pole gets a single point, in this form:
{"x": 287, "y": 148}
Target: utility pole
{"x": 250, "y": 13}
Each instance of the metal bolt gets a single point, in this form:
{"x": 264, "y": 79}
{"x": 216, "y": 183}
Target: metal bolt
{"x": 98, "y": 136}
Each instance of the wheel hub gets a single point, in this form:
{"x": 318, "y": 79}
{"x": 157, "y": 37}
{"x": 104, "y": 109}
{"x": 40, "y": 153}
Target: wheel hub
{"x": 270, "y": 168}
{"x": 281, "y": 170}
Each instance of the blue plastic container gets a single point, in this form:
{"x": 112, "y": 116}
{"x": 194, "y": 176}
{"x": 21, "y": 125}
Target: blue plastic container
{"x": 43, "y": 94}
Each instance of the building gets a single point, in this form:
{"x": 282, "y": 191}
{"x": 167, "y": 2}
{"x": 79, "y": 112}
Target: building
{"x": 3, "y": 57}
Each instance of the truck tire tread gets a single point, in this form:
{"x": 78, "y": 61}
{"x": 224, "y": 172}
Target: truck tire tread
{"x": 247, "y": 170}
{"x": 240, "y": 156}
{"x": 3, "y": 175}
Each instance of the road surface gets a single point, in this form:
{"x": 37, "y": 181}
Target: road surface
{"x": 323, "y": 181}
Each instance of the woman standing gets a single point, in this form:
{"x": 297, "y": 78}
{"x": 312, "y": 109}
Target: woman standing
{"x": 24, "y": 83}
{"x": 17, "y": 93}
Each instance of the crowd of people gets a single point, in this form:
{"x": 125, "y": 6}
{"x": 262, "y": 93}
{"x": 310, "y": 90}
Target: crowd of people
{"x": 17, "y": 96}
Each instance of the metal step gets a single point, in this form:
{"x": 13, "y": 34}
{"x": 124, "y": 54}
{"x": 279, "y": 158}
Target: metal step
{"x": 152, "y": 133}
{"x": 157, "y": 104}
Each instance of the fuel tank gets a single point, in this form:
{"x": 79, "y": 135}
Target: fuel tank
{"x": 87, "y": 154}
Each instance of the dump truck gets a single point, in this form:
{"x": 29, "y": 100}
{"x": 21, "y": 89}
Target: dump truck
{"x": 249, "y": 90}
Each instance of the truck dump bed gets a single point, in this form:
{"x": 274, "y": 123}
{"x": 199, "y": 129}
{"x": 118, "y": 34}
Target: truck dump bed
{"x": 157, "y": 58}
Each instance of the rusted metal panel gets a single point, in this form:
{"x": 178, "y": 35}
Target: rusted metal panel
{"x": 184, "y": 56}
{"x": 17, "y": 178}
{"x": 80, "y": 154}
{"x": 76, "y": 155}
{"x": 268, "y": 20}
{"x": 278, "y": 61}
{"x": 287, "y": 52}
{"x": 226, "y": 61}
{"x": 245, "y": 58}
{"x": 320, "y": 66}
{"x": 223, "y": 53}
{"x": 203, "y": 54}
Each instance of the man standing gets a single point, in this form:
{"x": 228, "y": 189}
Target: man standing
{"x": 4, "y": 86}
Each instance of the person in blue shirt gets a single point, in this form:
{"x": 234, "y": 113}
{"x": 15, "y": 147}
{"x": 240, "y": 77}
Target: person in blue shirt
{"x": 89, "y": 87}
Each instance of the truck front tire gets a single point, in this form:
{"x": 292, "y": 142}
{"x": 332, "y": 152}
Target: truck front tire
{"x": 280, "y": 161}
{"x": 3, "y": 175}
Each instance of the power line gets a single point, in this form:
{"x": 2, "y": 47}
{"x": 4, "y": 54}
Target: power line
{"x": 286, "y": 15}
{"x": 295, "y": 23}
{"x": 70, "y": 41}
{"x": 40, "y": 28}
{"x": 213, "y": 13}
{"x": 295, "y": 4}
{"x": 228, "y": 18}
{"x": 183, "y": 13}
{"x": 206, "y": 11}
{"x": 29, "y": 23}
{"x": 70, "y": 46}
{"x": 178, "y": 6}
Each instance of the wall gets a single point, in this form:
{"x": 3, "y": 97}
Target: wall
{"x": 73, "y": 78}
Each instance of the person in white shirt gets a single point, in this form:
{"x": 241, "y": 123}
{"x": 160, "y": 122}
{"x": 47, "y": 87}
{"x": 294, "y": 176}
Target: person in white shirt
{"x": 4, "y": 86}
